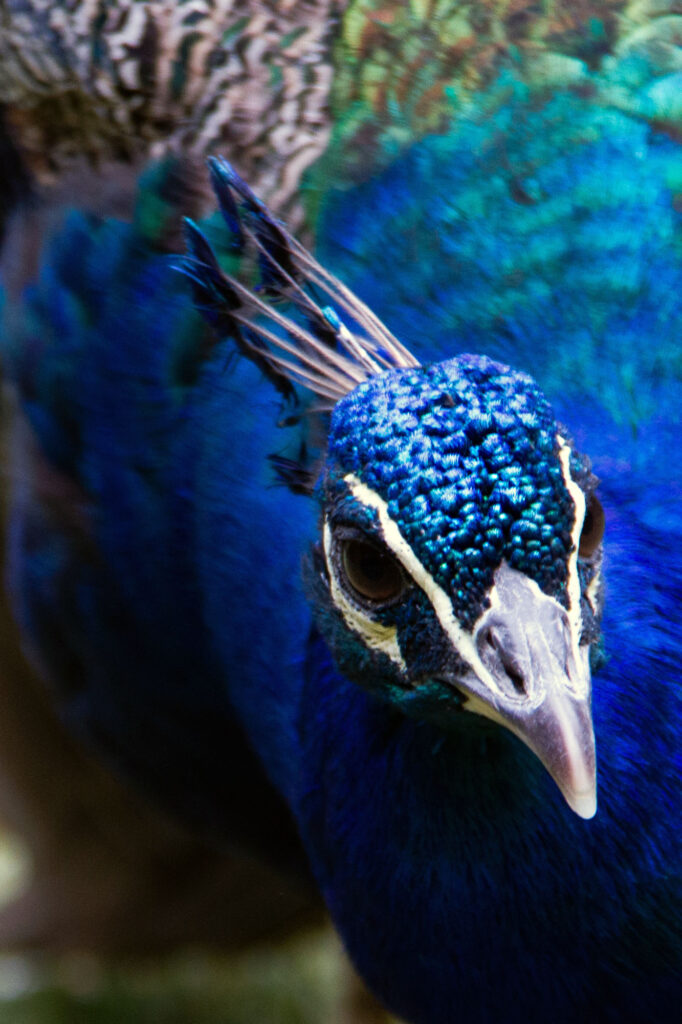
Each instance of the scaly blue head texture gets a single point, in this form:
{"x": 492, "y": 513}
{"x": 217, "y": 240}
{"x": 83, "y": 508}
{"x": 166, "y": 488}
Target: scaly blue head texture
{"x": 465, "y": 454}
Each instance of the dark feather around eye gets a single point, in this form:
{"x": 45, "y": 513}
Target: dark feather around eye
{"x": 593, "y": 527}
{"x": 372, "y": 573}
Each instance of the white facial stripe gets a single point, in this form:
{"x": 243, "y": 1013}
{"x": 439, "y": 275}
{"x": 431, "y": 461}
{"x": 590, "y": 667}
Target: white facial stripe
{"x": 574, "y": 614}
{"x": 375, "y": 634}
{"x": 462, "y": 641}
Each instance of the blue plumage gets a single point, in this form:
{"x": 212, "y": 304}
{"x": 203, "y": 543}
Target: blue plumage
{"x": 127, "y": 408}
{"x": 413, "y": 694}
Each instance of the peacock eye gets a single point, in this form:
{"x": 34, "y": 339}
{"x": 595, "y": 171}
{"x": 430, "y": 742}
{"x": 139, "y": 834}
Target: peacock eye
{"x": 593, "y": 528}
{"x": 371, "y": 573}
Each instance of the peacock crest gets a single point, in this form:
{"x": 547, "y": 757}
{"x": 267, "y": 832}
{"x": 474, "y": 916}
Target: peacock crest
{"x": 290, "y": 322}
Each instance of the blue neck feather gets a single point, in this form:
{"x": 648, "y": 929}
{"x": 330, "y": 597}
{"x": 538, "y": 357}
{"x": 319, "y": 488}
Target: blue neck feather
{"x": 485, "y": 877}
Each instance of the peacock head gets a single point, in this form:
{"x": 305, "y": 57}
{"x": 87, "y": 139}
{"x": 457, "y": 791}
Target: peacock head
{"x": 458, "y": 567}
{"x": 460, "y": 558}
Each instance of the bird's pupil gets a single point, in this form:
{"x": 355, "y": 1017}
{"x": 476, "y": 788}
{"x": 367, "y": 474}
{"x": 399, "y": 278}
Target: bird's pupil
{"x": 370, "y": 572}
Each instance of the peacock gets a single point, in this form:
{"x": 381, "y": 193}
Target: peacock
{"x": 366, "y": 559}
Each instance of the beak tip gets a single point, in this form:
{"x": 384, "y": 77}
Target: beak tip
{"x": 583, "y": 804}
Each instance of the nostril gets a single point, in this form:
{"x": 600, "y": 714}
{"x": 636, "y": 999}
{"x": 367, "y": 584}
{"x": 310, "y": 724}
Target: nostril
{"x": 514, "y": 675}
{"x": 493, "y": 652}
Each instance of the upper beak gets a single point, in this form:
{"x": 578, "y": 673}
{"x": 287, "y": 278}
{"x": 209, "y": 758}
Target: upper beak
{"x": 530, "y": 675}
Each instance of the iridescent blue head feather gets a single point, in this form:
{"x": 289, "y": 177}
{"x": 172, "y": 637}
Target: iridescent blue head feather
{"x": 464, "y": 452}
{"x": 458, "y": 568}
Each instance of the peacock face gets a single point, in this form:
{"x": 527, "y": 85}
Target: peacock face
{"x": 461, "y": 544}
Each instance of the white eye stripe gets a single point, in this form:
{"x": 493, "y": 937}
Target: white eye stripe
{"x": 462, "y": 641}
{"x": 385, "y": 638}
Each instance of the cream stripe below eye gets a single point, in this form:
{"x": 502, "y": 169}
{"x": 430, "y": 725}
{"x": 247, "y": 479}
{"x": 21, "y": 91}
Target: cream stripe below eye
{"x": 375, "y": 634}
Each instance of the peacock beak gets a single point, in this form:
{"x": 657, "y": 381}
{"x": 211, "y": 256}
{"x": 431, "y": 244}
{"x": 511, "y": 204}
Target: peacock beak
{"x": 532, "y": 676}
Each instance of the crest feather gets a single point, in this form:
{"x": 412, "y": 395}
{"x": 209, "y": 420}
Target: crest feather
{"x": 309, "y": 345}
